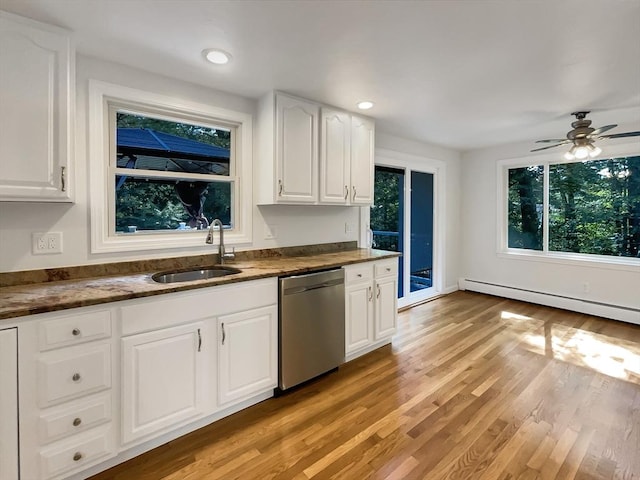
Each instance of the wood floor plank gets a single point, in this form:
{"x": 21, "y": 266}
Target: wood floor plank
{"x": 473, "y": 387}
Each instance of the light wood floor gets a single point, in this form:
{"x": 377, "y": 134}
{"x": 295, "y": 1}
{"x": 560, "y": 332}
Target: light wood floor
{"x": 473, "y": 387}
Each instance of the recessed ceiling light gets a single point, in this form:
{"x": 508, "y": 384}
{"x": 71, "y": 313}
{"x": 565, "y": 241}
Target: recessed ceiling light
{"x": 366, "y": 105}
{"x": 219, "y": 57}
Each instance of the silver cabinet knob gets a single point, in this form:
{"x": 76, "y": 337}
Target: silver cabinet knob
{"x": 77, "y": 456}
{"x": 75, "y": 332}
{"x": 77, "y": 421}
{"x": 76, "y": 377}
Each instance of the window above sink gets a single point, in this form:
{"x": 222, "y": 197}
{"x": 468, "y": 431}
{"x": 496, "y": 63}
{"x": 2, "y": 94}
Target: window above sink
{"x": 162, "y": 169}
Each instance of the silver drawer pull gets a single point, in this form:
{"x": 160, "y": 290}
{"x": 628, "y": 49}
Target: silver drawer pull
{"x": 359, "y": 275}
{"x": 388, "y": 269}
{"x": 75, "y": 332}
{"x": 76, "y": 377}
{"x": 224, "y": 335}
{"x": 77, "y": 421}
{"x": 77, "y": 456}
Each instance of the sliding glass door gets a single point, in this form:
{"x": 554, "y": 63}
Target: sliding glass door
{"x": 402, "y": 220}
{"x": 387, "y": 215}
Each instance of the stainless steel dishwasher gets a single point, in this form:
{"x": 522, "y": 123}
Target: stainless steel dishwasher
{"x": 311, "y": 326}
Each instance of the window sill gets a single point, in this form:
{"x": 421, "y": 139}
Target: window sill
{"x": 573, "y": 259}
{"x": 140, "y": 241}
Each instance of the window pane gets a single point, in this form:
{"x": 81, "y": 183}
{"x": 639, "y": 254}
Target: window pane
{"x": 594, "y": 207}
{"x": 151, "y": 144}
{"x": 526, "y": 189}
{"x": 387, "y": 214}
{"x": 170, "y": 204}
{"x": 421, "y": 231}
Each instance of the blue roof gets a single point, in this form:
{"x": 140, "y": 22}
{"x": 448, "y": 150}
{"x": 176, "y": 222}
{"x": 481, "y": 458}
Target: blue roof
{"x": 150, "y": 140}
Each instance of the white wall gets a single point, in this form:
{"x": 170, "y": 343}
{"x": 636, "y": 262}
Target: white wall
{"x": 610, "y": 285}
{"x": 294, "y": 225}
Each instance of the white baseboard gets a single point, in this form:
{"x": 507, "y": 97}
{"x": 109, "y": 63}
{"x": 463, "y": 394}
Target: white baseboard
{"x": 615, "y": 312}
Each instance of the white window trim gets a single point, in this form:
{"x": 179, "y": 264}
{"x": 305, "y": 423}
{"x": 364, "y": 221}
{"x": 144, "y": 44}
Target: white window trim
{"x": 101, "y": 96}
{"x": 565, "y": 258}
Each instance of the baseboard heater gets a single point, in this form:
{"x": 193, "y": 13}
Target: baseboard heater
{"x": 615, "y": 312}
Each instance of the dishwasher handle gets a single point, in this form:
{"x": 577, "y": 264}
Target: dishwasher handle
{"x": 294, "y": 290}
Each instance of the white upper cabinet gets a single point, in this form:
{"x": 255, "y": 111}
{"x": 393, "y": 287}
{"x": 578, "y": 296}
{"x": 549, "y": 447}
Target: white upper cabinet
{"x": 296, "y": 150}
{"x": 312, "y": 155}
{"x": 335, "y": 156}
{"x": 37, "y": 79}
{"x": 362, "y": 159}
{"x": 346, "y": 158}
{"x": 287, "y": 170}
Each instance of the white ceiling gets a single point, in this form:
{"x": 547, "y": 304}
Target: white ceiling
{"x": 461, "y": 74}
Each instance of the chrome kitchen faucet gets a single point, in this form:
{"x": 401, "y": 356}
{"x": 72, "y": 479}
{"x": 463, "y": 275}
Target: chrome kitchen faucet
{"x": 221, "y": 250}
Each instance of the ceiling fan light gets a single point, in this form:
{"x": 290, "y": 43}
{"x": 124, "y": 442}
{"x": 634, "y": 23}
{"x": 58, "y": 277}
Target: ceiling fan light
{"x": 569, "y": 156}
{"x": 581, "y": 152}
{"x": 594, "y": 151}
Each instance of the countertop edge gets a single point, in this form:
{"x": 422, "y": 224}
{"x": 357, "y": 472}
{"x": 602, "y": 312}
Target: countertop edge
{"x": 32, "y": 299}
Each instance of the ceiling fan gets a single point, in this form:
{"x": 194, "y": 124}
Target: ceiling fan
{"x": 582, "y": 138}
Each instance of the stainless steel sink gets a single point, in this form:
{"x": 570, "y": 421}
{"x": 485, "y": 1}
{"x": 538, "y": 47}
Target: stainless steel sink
{"x": 193, "y": 274}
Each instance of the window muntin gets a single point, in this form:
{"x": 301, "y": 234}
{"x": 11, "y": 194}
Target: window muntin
{"x": 592, "y": 207}
{"x": 195, "y": 184}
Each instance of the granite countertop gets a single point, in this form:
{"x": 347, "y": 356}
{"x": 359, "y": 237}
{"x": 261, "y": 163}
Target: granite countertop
{"x": 48, "y": 296}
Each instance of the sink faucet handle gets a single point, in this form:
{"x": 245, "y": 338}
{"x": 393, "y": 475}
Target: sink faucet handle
{"x": 229, "y": 255}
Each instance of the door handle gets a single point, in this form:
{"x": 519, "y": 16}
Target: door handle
{"x": 199, "y": 340}
{"x": 370, "y": 293}
{"x": 346, "y": 192}
{"x": 224, "y": 335}
{"x": 378, "y": 294}
{"x": 353, "y": 198}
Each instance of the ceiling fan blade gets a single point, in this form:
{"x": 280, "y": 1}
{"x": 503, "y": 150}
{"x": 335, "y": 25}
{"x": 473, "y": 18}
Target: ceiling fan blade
{"x": 621, "y": 135}
{"x": 553, "y": 140}
{"x": 600, "y": 130}
{"x": 550, "y": 146}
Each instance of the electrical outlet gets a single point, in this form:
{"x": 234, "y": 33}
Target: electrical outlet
{"x": 586, "y": 288}
{"x": 348, "y": 227}
{"x": 46, "y": 243}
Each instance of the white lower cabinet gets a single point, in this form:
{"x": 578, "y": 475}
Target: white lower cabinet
{"x": 162, "y": 379}
{"x": 247, "y": 353}
{"x": 371, "y": 310}
{"x": 66, "y": 374}
{"x": 9, "y": 404}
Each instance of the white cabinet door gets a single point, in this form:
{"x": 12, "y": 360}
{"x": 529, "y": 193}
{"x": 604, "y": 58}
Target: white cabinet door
{"x": 335, "y": 156}
{"x": 162, "y": 379}
{"x": 9, "y": 404}
{"x": 386, "y": 309}
{"x": 296, "y": 147}
{"x": 362, "y": 158}
{"x": 36, "y": 97}
{"x": 358, "y": 316}
{"x": 247, "y": 353}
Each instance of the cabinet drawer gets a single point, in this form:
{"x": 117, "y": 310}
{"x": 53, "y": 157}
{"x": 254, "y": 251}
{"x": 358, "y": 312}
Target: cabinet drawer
{"x": 74, "y": 417}
{"x": 75, "y": 455}
{"x": 73, "y": 372}
{"x": 386, "y": 268}
{"x": 358, "y": 273}
{"x": 74, "y": 329}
